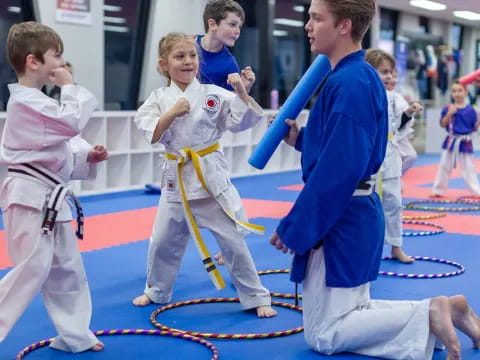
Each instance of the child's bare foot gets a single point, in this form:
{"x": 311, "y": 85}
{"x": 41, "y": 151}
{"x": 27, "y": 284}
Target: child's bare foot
{"x": 99, "y": 346}
{"x": 219, "y": 259}
{"x": 441, "y": 325}
{"x": 266, "y": 312}
{"x": 142, "y": 300}
{"x": 399, "y": 254}
{"x": 464, "y": 319}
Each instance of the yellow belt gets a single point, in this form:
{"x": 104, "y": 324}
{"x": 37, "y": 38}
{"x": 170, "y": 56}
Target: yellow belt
{"x": 189, "y": 153}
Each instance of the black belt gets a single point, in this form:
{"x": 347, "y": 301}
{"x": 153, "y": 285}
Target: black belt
{"x": 59, "y": 192}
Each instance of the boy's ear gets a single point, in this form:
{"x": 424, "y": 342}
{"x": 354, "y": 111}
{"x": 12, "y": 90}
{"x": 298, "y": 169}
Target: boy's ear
{"x": 31, "y": 62}
{"x": 212, "y": 24}
{"x": 345, "y": 26}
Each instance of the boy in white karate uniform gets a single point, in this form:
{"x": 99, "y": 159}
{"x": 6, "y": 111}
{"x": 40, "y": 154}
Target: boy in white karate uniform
{"x": 42, "y": 149}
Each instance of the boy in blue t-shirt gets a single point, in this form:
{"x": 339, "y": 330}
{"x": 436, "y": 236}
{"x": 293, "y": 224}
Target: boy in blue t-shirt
{"x": 223, "y": 20}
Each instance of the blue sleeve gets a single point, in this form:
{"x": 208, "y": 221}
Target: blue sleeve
{"x": 340, "y": 166}
{"x": 474, "y": 117}
{"x": 299, "y": 143}
{"x": 443, "y": 113}
{"x": 234, "y": 66}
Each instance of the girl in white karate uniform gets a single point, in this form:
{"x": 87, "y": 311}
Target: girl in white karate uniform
{"x": 188, "y": 116}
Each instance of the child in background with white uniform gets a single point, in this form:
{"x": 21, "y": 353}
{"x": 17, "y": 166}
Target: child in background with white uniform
{"x": 405, "y": 119}
{"x": 189, "y": 119}
{"x": 42, "y": 149}
{"x": 391, "y": 170}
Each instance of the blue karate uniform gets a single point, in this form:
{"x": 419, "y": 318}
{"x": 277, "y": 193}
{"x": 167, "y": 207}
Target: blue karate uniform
{"x": 343, "y": 143}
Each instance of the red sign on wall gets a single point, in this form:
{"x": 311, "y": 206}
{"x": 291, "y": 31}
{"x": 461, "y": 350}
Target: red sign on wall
{"x": 74, "y": 11}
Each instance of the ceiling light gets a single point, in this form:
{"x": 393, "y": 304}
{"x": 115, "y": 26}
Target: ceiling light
{"x": 299, "y": 8}
{"x": 468, "y": 15}
{"x": 280, "y": 33}
{"x": 288, "y": 22}
{"x": 427, "y": 4}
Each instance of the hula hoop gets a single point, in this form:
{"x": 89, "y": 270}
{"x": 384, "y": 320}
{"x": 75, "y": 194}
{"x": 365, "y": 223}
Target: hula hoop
{"x": 461, "y": 269}
{"x": 439, "y": 228}
{"x": 223, "y": 336}
{"x": 195, "y": 339}
{"x": 469, "y": 199}
{"x": 423, "y": 217}
{"x": 413, "y": 205}
{"x": 276, "y": 294}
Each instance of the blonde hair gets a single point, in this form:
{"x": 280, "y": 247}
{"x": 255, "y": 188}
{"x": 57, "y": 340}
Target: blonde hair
{"x": 376, "y": 57}
{"x": 360, "y": 12}
{"x": 166, "y": 44}
{"x": 30, "y": 38}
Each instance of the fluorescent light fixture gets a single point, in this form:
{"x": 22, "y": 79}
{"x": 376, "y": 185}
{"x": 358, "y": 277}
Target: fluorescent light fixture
{"x": 280, "y": 33}
{"x": 288, "y": 22}
{"x": 114, "y": 20}
{"x": 14, "y": 9}
{"x": 113, "y": 28}
{"x": 112, "y": 8}
{"x": 299, "y": 8}
{"x": 427, "y": 4}
{"x": 468, "y": 15}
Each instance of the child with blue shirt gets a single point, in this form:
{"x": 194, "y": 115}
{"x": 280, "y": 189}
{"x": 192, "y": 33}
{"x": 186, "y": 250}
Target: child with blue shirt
{"x": 223, "y": 20}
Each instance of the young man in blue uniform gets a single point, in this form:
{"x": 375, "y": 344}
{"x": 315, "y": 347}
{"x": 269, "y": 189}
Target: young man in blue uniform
{"x": 338, "y": 254}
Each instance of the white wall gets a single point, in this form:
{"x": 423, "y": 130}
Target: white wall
{"x": 165, "y": 16}
{"x": 83, "y": 44}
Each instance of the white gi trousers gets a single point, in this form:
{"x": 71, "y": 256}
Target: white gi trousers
{"x": 392, "y": 209}
{"x": 346, "y": 319}
{"x": 445, "y": 168}
{"x": 407, "y": 153}
{"x": 169, "y": 241}
{"x": 53, "y": 265}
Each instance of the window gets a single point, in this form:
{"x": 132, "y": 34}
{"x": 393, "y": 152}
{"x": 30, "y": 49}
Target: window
{"x": 388, "y": 30}
{"x": 125, "y": 25}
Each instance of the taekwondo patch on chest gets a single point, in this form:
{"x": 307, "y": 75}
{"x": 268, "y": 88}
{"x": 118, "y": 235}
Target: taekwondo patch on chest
{"x": 211, "y": 104}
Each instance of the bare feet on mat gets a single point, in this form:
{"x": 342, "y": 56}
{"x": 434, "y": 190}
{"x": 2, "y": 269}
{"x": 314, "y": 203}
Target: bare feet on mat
{"x": 219, "y": 259}
{"x": 399, "y": 254}
{"x": 266, "y": 312}
{"x": 441, "y": 326}
{"x": 142, "y": 300}
{"x": 464, "y": 319}
{"x": 99, "y": 346}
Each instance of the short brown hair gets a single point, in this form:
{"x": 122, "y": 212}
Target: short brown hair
{"x": 360, "y": 12}
{"x": 30, "y": 38}
{"x": 219, "y": 9}
{"x": 375, "y": 57}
